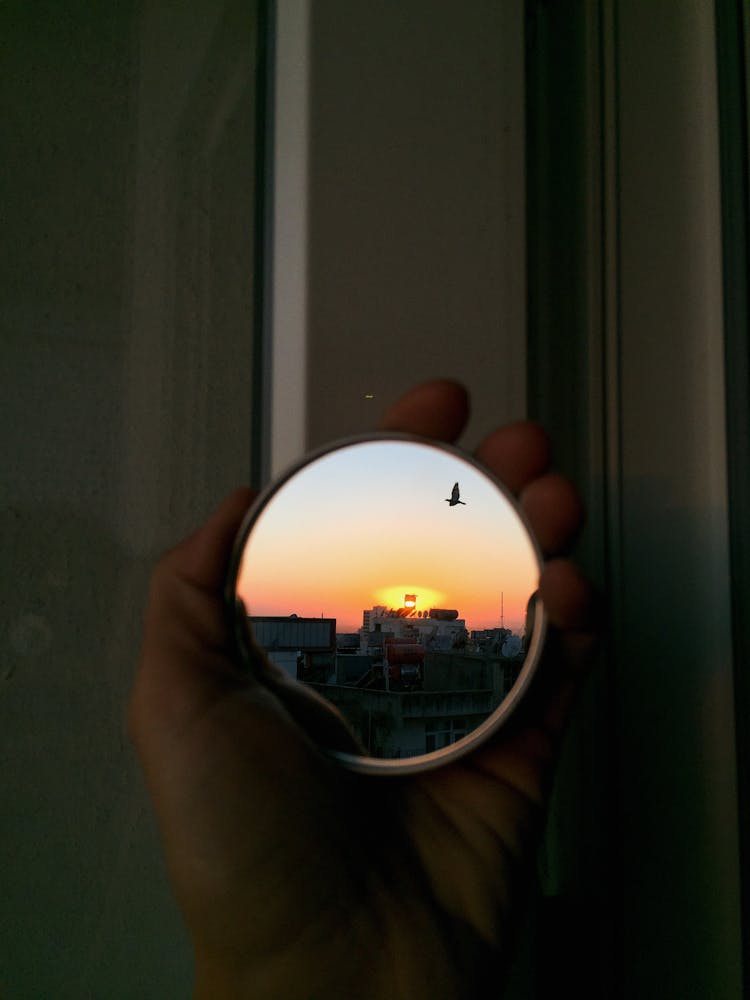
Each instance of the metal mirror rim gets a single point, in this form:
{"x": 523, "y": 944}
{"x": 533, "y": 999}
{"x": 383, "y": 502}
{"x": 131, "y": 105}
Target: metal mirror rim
{"x": 494, "y": 721}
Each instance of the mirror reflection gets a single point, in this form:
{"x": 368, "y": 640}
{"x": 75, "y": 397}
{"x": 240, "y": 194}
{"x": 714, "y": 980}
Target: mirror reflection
{"x": 394, "y": 578}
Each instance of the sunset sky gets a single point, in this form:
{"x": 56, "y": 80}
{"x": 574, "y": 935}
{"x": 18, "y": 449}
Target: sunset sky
{"x": 367, "y": 524}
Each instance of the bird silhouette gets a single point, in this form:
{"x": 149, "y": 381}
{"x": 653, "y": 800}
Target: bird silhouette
{"x": 454, "y": 497}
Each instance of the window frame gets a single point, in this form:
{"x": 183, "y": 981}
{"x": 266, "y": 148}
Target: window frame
{"x": 586, "y": 64}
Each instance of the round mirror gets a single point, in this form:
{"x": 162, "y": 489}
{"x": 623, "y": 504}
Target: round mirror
{"x": 391, "y": 582}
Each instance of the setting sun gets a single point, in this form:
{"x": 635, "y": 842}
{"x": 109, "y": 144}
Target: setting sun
{"x": 396, "y": 597}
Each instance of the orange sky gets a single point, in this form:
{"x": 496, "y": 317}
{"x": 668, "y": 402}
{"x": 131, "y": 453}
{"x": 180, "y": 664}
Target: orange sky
{"x": 373, "y": 518}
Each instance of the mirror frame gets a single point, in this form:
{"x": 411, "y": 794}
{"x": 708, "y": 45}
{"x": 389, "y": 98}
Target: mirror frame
{"x": 239, "y": 629}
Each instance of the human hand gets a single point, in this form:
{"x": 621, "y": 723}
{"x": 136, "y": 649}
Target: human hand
{"x": 300, "y": 879}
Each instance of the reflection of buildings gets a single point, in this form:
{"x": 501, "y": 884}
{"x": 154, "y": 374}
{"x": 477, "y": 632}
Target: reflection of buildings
{"x": 305, "y": 648}
{"x": 408, "y": 683}
{"x": 496, "y": 640}
{"x": 438, "y": 628}
{"x": 456, "y": 691}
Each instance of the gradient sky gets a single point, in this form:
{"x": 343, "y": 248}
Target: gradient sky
{"x": 368, "y": 523}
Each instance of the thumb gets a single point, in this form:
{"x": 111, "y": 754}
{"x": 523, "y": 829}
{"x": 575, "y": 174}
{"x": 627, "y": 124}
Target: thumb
{"x": 187, "y": 656}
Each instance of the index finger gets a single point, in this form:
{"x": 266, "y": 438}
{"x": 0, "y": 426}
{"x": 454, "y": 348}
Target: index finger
{"x": 438, "y": 409}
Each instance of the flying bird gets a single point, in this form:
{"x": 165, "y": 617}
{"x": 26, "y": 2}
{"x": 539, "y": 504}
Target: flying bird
{"x": 454, "y": 497}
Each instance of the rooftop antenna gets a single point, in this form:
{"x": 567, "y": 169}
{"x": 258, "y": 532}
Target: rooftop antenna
{"x": 502, "y": 611}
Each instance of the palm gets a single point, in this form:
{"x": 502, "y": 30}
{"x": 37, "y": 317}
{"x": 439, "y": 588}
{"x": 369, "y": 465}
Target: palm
{"x": 291, "y": 870}
{"x": 335, "y": 861}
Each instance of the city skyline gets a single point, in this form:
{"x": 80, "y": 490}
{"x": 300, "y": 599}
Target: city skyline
{"x": 365, "y": 525}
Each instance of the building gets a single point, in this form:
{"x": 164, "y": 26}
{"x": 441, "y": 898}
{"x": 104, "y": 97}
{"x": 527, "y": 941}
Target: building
{"x": 497, "y": 640}
{"x": 305, "y": 648}
{"x": 456, "y": 693}
{"x": 417, "y": 684}
{"x": 408, "y": 682}
{"x": 438, "y": 628}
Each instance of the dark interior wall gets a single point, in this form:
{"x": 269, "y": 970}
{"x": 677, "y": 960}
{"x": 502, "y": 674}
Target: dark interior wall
{"x": 416, "y": 208}
{"x": 66, "y": 171}
{"x": 126, "y": 193}
{"x": 627, "y": 342}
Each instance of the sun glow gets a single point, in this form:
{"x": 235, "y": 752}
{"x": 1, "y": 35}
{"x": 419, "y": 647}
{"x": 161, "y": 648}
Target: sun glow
{"x": 425, "y": 597}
